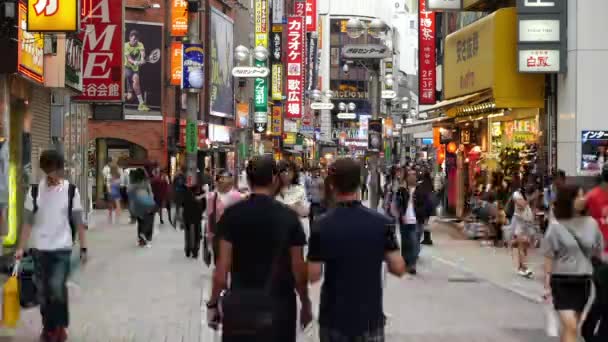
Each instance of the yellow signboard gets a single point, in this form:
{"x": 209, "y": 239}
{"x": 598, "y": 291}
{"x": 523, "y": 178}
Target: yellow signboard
{"x": 480, "y": 57}
{"x": 261, "y": 23}
{"x": 52, "y": 16}
{"x": 30, "y": 55}
{"x": 277, "y": 82}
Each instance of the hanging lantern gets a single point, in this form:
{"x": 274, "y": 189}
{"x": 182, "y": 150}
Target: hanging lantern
{"x": 452, "y": 147}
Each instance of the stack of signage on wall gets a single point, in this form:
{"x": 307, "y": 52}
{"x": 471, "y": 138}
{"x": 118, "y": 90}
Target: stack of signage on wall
{"x": 542, "y": 36}
{"x": 260, "y": 90}
{"x": 426, "y": 55}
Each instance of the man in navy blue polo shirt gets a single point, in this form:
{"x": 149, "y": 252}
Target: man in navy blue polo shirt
{"x": 349, "y": 244}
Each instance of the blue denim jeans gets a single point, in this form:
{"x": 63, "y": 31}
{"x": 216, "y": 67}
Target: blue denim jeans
{"x": 52, "y": 269}
{"x": 410, "y": 243}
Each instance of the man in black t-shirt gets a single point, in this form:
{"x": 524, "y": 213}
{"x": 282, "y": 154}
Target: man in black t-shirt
{"x": 352, "y": 242}
{"x": 262, "y": 239}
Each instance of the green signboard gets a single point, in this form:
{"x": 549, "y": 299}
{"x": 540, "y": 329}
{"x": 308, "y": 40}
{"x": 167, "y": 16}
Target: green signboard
{"x": 260, "y": 98}
{"x": 191, "y": 137}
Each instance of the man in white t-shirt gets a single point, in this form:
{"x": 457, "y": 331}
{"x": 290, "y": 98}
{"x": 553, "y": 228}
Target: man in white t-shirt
{"x": 47, "y": 221}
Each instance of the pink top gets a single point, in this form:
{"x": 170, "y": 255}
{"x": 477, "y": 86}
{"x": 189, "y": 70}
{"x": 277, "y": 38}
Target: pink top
{"x": 223, "y": 202}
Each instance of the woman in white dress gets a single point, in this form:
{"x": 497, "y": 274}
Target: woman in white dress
{"x": 292, "y": 193}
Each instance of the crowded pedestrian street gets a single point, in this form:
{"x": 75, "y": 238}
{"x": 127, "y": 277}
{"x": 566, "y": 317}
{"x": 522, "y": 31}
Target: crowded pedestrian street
{"x": 126, "y": 294}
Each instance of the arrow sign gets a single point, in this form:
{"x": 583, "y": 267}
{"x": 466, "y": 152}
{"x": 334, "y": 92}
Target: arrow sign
{"x": 260, "y": 127}
{"x": 250, "y": 72}
{"x": 322, "y": 106}
{"x": 388, "y": 94}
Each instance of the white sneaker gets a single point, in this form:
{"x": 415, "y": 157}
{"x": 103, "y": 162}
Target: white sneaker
{"x": 522, "y": 273}
{"x": 148, "y": 245}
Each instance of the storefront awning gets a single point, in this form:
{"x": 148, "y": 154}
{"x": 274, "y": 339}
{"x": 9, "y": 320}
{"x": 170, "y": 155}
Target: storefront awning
{"x": 422, "y": 125}
{"x": 443, "y": 105}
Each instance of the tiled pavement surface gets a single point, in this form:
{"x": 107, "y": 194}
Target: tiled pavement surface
{"x": 127, "y": 294}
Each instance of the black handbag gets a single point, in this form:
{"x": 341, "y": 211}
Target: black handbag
{"x": 250, "y": 311}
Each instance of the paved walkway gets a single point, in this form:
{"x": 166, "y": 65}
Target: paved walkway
{"x": 129, "y": 294}
{"x": 496, "y": 265}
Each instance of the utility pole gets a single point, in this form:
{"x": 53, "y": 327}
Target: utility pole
{"x": 192, "y": 97}
{"x": 374, "y": 97}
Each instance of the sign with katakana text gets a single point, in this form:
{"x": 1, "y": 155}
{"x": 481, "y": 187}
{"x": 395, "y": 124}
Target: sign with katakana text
{"x": 295, "y": 66}
{"x": 261, "y": 23}
{"x": 299, "y": 8}
{"x": 539, "y": 61}
{"x": 260, "y": 91}
{"x": 102, "y": 35}
{"x": 426, "y": 55}
{"x": 52, "y": 16}
{"x": 365, "y": 51}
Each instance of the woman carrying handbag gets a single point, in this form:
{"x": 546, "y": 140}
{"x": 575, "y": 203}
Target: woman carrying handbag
{"x": 569, "y": 245}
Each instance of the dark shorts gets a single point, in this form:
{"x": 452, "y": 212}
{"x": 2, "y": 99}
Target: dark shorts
{"x": 129, "y": 73}
{"x": 570, "y": 292}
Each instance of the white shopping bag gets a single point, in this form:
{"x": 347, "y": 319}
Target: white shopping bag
{"x": 552, "y": 324}
{"x": 310, "y": 333}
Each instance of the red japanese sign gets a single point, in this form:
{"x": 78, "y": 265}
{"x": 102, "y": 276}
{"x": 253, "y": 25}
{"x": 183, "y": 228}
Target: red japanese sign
{"x": 295, "y": 66}
{"x": 299, "y": 8}
{"x": 101, "y": 27}
{"x": 426, "y": 55}
{"x": 311, "y": 15}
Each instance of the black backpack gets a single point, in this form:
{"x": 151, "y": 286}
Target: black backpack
{"x": 71, "y": 192}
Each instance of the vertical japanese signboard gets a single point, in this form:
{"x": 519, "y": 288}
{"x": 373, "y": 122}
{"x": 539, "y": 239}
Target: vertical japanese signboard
{"x": 299, "y": 8}
{"x": 277, "y": 121}
{"x": 261, "y": 23}
{"x": 427, "y": 58}
{"x": 295, "y": 62}
{"x": 278, "y": 11}
{"x": 31, "y": 49}
{"x": 311, "y": 15}
{"x": 176, "y": 64}
{"x": 179, "y": 18}
{"x": 101, "y": 27}
{"x": 260, "y": 101}
{"x": 277, "y": 82}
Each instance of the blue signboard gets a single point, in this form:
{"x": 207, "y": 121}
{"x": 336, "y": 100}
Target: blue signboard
{"x": 193, "y": 58}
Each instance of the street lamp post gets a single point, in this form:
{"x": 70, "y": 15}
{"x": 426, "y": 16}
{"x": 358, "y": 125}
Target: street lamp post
{"x": 192, "y": 97}
{"x": 243, "y": 57}
{"x": 377, "y": 28}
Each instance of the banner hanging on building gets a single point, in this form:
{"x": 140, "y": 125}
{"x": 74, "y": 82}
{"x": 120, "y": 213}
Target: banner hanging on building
{"x": 30, "y": 60}
{"x": 260, "y": 101}
{"x": 426, "y": 55}
{"x": 277, "y": 120}
{"x": 311, "y": 15}
{"x": 176, "y": 64}
{"x": 374, "y": 143}
{"x": 222, "y": 57}
{"x": 299, "y": 8}
{"x": 242, "y": 115}
{"x": 179, "y": 18}
{"x": 73, "y": 62}
{"x": 193, "y": 62}
{"x": 261, "y": 23}
{"x": 295, "y": 64}
{"x": 143, "y": 68}
{"x": 278, "y": 11}
{"x": 101, "y": 33}
{"x": 277, "y": 82}
{"x": 276, "y": 41}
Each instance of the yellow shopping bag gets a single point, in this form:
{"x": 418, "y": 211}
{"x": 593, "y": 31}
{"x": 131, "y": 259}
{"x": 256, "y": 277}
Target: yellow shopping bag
{"x": 10, "y": 305}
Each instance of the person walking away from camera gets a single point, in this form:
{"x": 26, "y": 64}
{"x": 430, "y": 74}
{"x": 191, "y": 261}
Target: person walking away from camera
{"x": 291, "y": 192}
{"x": 314, "y": 192}
{"x": 569, "y": 244}
{"x": 115, "y": 196}
{"x": 107, "y": 182}
{"x": 261, "y": 246}
{"x": 364, "y": 181}
{"x": 523, "y": 227}
{"x": 160, "y": 188}
{"x": 413, "y": 207}
{"x": 194, "y": 205}
{"x": 47, "y": 221}
{"x": 597, "y": 204}
{"x": 217, "y": 202}
{"x": 179, "y": 192}
{"x": 141, "y": 202}
{"x": 349, "y": 245}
